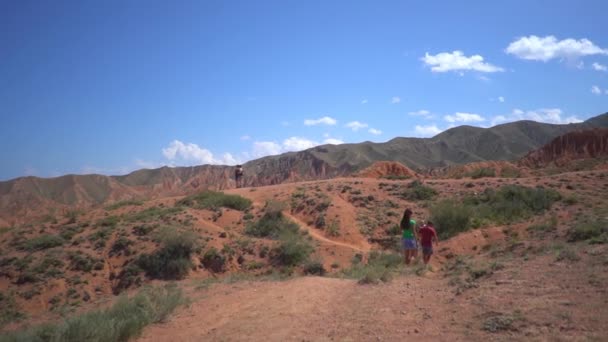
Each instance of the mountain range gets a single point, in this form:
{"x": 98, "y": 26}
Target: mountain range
{"x": 28, "y": 196}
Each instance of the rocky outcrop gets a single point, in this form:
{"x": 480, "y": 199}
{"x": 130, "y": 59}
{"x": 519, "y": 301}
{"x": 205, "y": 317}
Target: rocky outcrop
{"x": 587, "y": 144}
{"x": 386, "y": 169}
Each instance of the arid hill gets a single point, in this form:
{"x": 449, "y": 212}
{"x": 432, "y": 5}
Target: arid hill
{"x": 27, "y": 196}
{"x": 587, "y": 144}
{"x": 384, "y": 169}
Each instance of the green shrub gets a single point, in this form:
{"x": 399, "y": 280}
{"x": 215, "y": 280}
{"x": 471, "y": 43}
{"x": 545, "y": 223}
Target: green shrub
{"x": 9, "y": 312}
{"x": 43, "y": 242}
{"x": 110, "y": 221}
{"x": 125, "y": 203}
{"x": 512, "y": 203}
{"x": 482, "y": 172}
{"x": 595, "y": 230}
{"x": 333, "y": 229}
{"x": 379, "y": 268}
{"x": 121, "y": 245}
{"x": 214, "y": 200}
{"x": 272, "y": 224}
{"x": 123, "y": 321}
{"x": 510, "y": 172}
{"x": 416, "y": 191}
{"x": 214, "y": 260}
{"x": 292, "y": 250}
{"x": 129, "y": 276}
{"x": 68, "y": 232}
{"x": 314, "y": 267}
{"x": 568, "y": 255}
{"x": 450, "y": 218}
{"x": 152, "y": 214}
{"x": 172, "y": 261}
{"x": 142, "y": 230}
{"x": 80, "y": 261}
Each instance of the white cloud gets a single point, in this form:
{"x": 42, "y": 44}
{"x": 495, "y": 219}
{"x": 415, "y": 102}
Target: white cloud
{"x": 326, "y": 120}
{"x": 426, "y": 131}
{"x": 333, "y": 141}
{"x": 599, "y": 67}
{"x": 395, "y": 100}
{"x": 191, "y": 154}
{"x": 292, "y": 144}
{"x": 501, "y": 99}
{"x": 423, "y": 112}
{"x": 245, "y": 137}
{"x": 546, "y": 115}
{"x": 285, "y": 123}
{"x": 464, "y": 117}
{"x": 498, "y": 119}
{"x": 456, "y": 60}
{"x": 265, "y": 148}
{"x": 547, "y": 48}
{"x": 297, "y": 144}
{"x": 482, "y": 78}
{"x": 364, "y": 101}
{"x": 356, "y": 125}
{"x": 375, "y": 131}
{"x": 596, "y": 90}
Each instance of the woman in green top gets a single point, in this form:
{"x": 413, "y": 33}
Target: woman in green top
{"x": 409, "y": 237}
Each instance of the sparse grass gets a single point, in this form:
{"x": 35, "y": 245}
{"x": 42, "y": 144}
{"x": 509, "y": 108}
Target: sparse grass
{"x": 272, "y": 224}
{"x": 333, "y": 229}
{"x": 482, "y": 172}
{"x": 292, "y": 250}
{"x": 153, "y": 213}
{"x": 543, "y": 228}
{"x": 314, "y": 267}
{"x": 42, "y": 242}
{"x": 214, "y": 200}
{"x": 379, "y": 268}
{"x": 450, "y": 217}
{"x": 172, "y": 260}
{"x": 125, "y": 203}
{"x": 123, "y": 321}
{"x": 510, "y": 172}
{"x": 9, "y": 312}
{"x": 416, "y": 191}
{"x": 80, "y": 261}
{"x": 594, "y": 230}
{"x": 499, "y": 322}
{"x": 213, "y": 260}
{"x": 567, "y": 254}
{"x": 396, "y": 177}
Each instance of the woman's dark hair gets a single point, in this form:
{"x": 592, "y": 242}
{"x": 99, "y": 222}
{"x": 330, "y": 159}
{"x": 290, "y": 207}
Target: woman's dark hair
{"x": 405, "y": 221}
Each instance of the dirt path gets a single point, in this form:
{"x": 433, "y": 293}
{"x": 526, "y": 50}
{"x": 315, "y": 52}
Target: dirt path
{"x": 312, "y": 309}
{"x": 315, "y": 234}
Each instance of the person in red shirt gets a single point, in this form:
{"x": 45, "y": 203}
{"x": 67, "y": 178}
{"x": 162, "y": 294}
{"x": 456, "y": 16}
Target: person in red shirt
{"x": 427, "y": 235}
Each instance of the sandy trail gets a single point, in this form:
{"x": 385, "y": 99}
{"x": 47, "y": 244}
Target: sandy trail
{"x": 315, "y": 234}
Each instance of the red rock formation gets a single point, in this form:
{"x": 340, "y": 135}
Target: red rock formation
{"x": 386, "y": 169}
{"x": 563, "y": 149}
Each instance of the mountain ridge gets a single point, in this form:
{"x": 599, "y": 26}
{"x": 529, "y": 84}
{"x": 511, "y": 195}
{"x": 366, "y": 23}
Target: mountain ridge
{"x": 459, "y": 145}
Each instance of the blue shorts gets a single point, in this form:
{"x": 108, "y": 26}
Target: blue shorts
{"x": 427, "y": 250}
{"x": 409, "y": 244}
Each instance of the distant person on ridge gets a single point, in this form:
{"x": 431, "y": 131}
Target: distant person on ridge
{"x": 427, "y": 236}
{"x": 238, "y": 176}
{"x": 409, "y": 236}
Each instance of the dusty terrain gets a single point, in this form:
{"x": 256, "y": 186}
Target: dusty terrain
{"x": 526, "y": 290}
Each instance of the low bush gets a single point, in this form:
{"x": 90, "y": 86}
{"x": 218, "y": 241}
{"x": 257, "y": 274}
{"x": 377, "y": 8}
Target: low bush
{"x": 121, "y": 322}
{"x": 213, "y": 260}
{"x": 125, "y": 203}
{"x": 416, "y": 191}
{"x": 215, "y": 200}
{"x": 379, "y": 268}
{"x": 272, "y": 224}
{"x": 314, "y": 267}
{"x": 482, "y": 172}
{"x": 596, "y": 231}
{"x": 450, "y": 217}
{"x": 292, "y": 250}
{"x": 172, "y": 260}
{"x": 42, "y": 242}
{"x": 9, "y": 311}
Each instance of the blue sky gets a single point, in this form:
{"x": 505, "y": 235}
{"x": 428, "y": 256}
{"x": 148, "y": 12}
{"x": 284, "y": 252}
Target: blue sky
{"x": 112, "y": 86}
